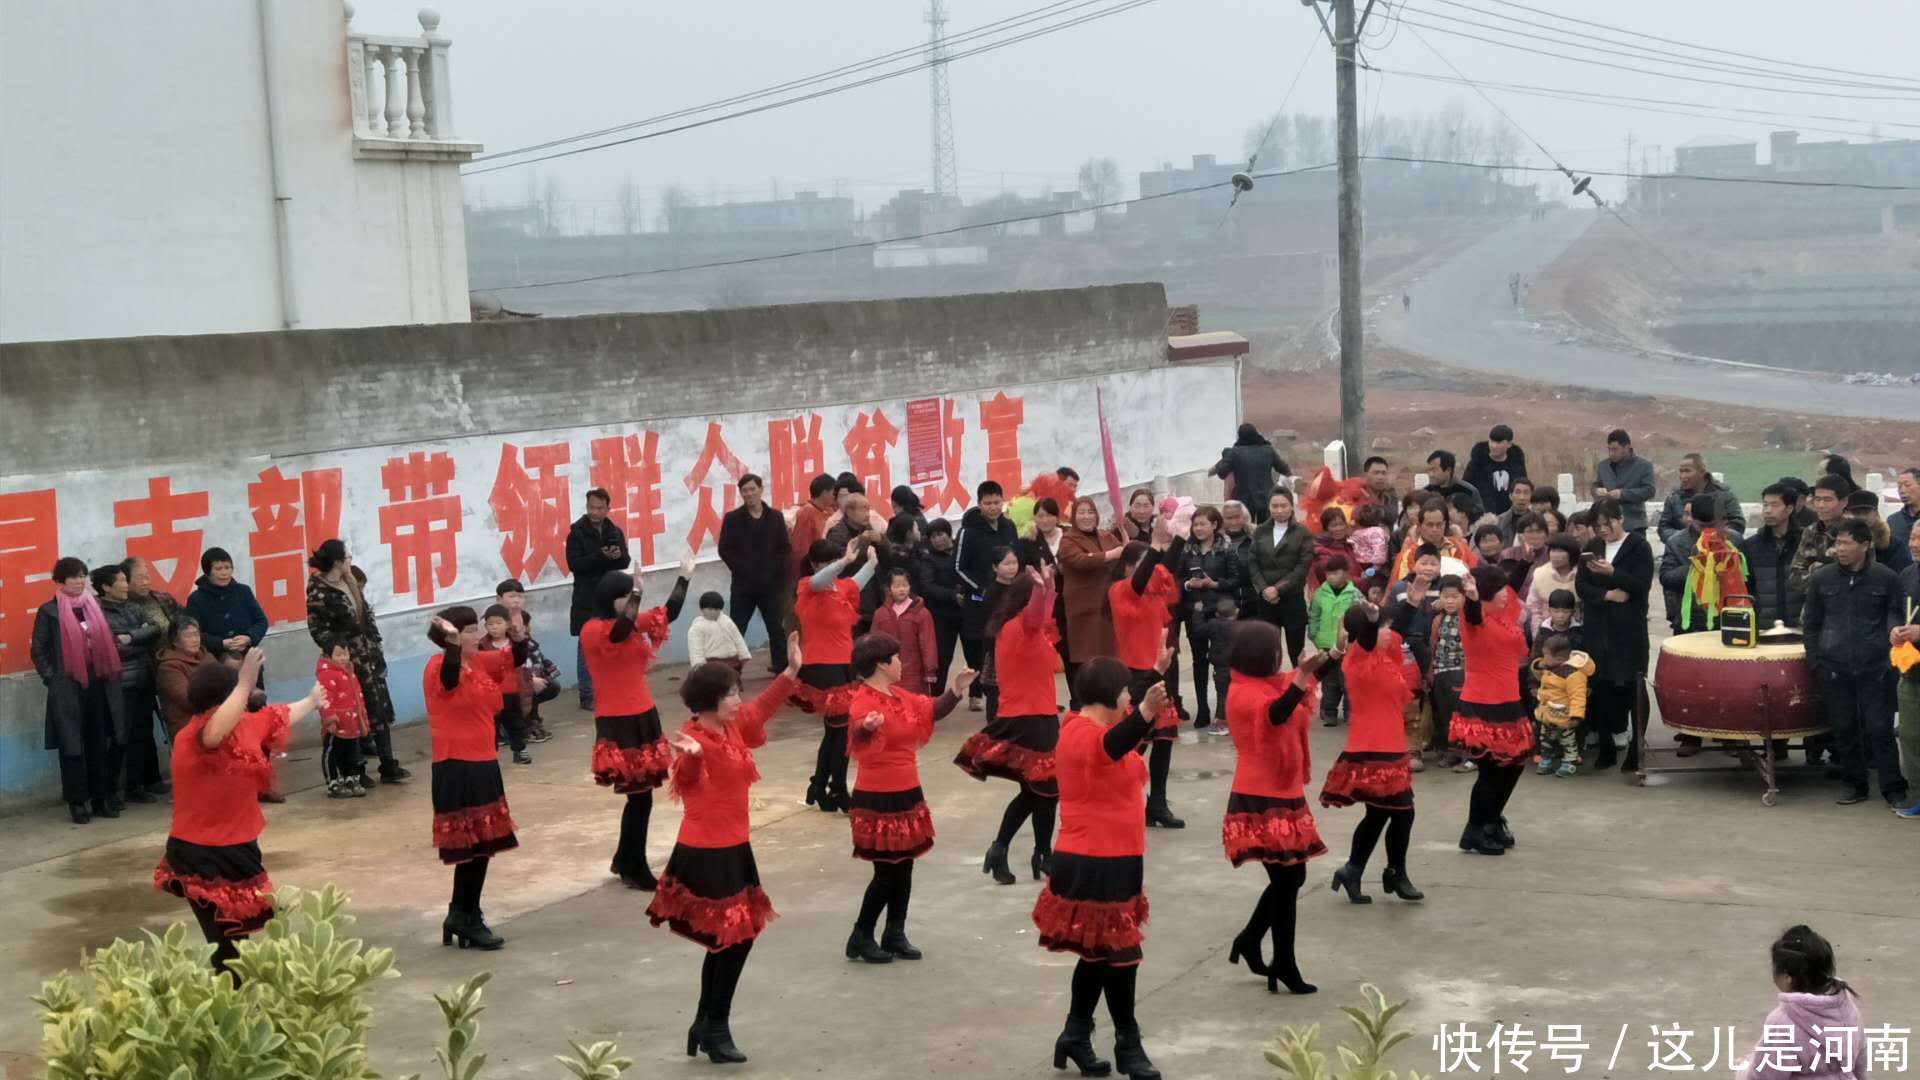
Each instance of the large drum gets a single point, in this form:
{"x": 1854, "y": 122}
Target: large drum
{"x": 1717, "y": 691}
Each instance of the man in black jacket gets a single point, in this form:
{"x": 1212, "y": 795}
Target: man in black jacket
{"x": 754, "y": 545}
{"x": 982, "y": 529}
{"x": 1442, "y": 482}
{"x": 595, "y": 548}
{"x": 1251, "y": 463}
{"x": 1492, "y": 469}
{"x": 1853, "y": 606}
{"x": 1769, "y": 555}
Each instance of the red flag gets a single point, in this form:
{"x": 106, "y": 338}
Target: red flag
{"x": 1106, "y": 458}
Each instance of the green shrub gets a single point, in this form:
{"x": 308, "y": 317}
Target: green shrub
{"x": 155, "y": 1010}
{"x": 1296, "y": 1053}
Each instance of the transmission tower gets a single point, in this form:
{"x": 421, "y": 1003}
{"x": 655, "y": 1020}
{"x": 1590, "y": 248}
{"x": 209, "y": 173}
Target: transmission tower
{"x": 946, "y": 175}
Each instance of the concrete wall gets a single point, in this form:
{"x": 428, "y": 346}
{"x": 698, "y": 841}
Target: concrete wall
{"x": 214, "y": 399}
{"x": 136, "y": 193}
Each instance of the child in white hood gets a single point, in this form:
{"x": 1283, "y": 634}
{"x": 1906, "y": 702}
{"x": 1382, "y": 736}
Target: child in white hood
{"x": 1818, "y": 1007}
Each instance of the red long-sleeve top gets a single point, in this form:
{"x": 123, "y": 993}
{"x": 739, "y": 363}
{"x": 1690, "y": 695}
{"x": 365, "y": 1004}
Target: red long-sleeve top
{"x": 1103, "y": 802}
{"x": 216, "y": 793}
{"x": 712, "y": 786}
{"x": 1272, "y": 760}
{"x": 1496, "y": 650}
{"x": 461, "y": 719}
{"x": 809, "y": 524}
{"x": 1026, "y": 662}
{"x": 1140, "y": 618}
{"x": 827, "y": 617}
{"x": 619, "y": 668}
{"x": 888, "y": 758}
{"x": 1377, "y": 696}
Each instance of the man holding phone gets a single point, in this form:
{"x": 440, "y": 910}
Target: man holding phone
{"x": 1627, "y": 477}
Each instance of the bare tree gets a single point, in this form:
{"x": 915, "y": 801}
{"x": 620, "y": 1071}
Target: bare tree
{"x": 675, "y": 197}
{"x": 626, "y": 198}
{"x": 1268, "y": 141}
{"x": 1100, "y": 180}
{"x": 1312, "y": 140}
{"x": 547, "y": 207}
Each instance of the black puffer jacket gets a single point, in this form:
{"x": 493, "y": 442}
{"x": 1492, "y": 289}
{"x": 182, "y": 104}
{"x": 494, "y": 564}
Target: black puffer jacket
{"x": 1221, "y": 563}
{"x": 938, "y": 584}
{"x": 1251, "y": 463}
{"x": 129, "y": 620}
{"x": 1849, "y": 615}
{"x": 1493, "y": 480}
{"x": 1769, "y": 562}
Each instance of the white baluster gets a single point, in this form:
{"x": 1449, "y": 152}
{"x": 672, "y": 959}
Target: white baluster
{"x": 416, "y": 105}
{"x": 396, "y": 93}
{"x": 434, "y": 87}
{"x": 376, "y": 94}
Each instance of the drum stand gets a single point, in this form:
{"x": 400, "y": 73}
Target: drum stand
{"x": 1749, "y": 756}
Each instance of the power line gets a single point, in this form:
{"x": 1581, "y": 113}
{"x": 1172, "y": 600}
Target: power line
{"x": 1765, "y": 180}
{"x": 858, "y": 244}
{"x": 1116, "y": 9}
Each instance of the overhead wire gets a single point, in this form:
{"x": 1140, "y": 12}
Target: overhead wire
{"x": 1768, "y": 181}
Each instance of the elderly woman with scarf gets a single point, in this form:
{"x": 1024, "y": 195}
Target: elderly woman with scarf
{"x": 337, "y": 610}
{"x": 77, "y": 660}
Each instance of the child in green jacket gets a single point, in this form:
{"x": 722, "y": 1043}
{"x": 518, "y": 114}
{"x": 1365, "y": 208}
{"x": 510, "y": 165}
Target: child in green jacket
{"x": 1330, "y": 603}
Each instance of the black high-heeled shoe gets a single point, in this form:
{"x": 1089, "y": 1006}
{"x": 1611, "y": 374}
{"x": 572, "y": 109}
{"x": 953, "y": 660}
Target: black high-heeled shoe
{"x": 894, "y": 941}
{"x": 1396, "y": 882}
{"x": 1503, "y": 834}
{"x": 693, "y": 1034}
{"x": 1130, "y": 1058}
{"x": 1075, "y": 1044}
{"x": 813, "y": 792}
{"x": 470, "y": 930}
{"x": 861, "y": 946}
{"x": 1042, "y": 863}
{"x": 717, "y": 1041}
{"x": 1474, "y": 838}
{"x": 996, "y": 864}
{"x": 1246, "y": 950}
{"x": 1348, "y": 878}
{"x": 1291, "y": 979}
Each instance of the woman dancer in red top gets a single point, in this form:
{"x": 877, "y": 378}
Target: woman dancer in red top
{"x": 710, "y": 891}
{"x": 1141, "y": 600}
{"x": 891, "y": 824}
{"x": 826, "y": 607}
{"x": 1095, "y": 900}
{"x": 221, "y": 764}
{"x": 629, "y": 754}
{"x": 1491, "y": 724}
{"x": 471, "y": 822}
{"x": 1017, "y": 743}
{"x": 1374, "y": 769}
{"x": 1267, "y": 819}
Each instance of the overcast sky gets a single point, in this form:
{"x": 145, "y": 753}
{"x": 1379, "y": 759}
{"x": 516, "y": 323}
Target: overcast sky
{"x": 1155, "y": 84}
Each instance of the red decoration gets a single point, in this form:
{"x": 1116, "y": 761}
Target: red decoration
{"x": 530, "y": 502}
{"x": 796, "y": 456}
{"x": 29, "y": 546}
{"x": 173, "y": 554}
{"x": 628, "y": 467}
{"x": 291, "y": 516}
{"x": 1001, "y": 417}
{"x": 419, "y": 523}
{"x": 867, "y": 444}
{"x": 950, "y": 492}
{"x": 706, "y": 518}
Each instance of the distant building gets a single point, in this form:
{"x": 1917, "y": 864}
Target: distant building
{"x": 1893, "y": 159}
{"x": 806, "y": 212}
{"x": 1716, "y": 155}
{"x": 1207, "y": 171}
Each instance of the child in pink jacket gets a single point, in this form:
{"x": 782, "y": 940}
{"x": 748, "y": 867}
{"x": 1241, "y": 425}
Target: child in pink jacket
{"x": 1813, "y": 1002}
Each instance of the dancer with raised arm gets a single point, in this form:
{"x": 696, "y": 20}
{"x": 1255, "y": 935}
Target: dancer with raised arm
{"x": 826, "y": 606}
{"x": 1142, "y": 599}
{"x": 1374, "y": 768}
{"x": 1491, "y": 724}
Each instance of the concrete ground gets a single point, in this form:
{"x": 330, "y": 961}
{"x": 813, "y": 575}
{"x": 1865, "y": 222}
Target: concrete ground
{"x": 1621, "y": 908}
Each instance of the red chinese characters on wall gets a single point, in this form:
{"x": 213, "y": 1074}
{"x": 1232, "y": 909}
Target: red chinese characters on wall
{"x": 1000, "y": 418}
{"x": 29, "y": 546}
{"x": 950, "y": 492}
{"x": 867, "y": 443}
{"x": 530, "y": 504}
{"x": 707, "y": 489}
{"x": 628, "y": 468}
{"x": 172, "y": 554}
{"x": 795, "y": 456}
{"x": 292, "y": 515}
{"x": 420, "y": 522}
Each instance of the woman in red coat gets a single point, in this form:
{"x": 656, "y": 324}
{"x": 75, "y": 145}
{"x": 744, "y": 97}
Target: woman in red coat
{"x": 1267, "y": 819}
{"x": 471, "y": 822}
{"x": 1095, "y": 900}
{"x": 630, "y": 755}
{"x": 1018, "y": 743}
{"x": 710, "y": 891}
{"x": 1374, "y": 769}
{"x": 1490, "y": 723}
{"x": 221, "y": 764}
{"x": 891, "y": 823}
{"x": 1141, "y": 600}
{"x": 826, "y": 606}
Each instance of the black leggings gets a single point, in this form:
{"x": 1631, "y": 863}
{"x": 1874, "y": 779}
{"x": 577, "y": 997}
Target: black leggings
{"x": 719, "y": 978}
{"x": 1398, "y": 825}
{"x": 1492, "y": 787}
{"x": 1159, "y": 764}
{"x": 830, "y": 762}
{"x": 1091, "y": 978}
{"x": 468, "y": 879}
{"x": 630, "y": 858}
{"x": 1275, "y": 912}
{"x": 224, "y": 948}
{"x": 890, "y": 889}
{"x": 1040, "y": 808}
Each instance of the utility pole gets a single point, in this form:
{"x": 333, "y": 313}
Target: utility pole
{"x": 1353, "y": 384}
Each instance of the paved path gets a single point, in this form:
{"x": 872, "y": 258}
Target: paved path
{"x": 1463, "y": 315}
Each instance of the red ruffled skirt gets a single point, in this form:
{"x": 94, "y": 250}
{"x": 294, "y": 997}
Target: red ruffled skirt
{"x": 890, "y": 826}
{"x": 629, "y": 753}
{"x": 1016, "y": 748}
{"x": 826, "y": 689}
{"x": 229, "y": 878}
{"x": 1094, "y": 906}
{"x": 1500, "y": 733}
{"x": 712, "y": 896}
{"x": 1258, "y": 828}
{"x": 470, "y": 816}
{"x": 1377, "y": 779}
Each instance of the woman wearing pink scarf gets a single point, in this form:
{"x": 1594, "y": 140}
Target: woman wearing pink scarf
{"x": 74, "y": 652}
